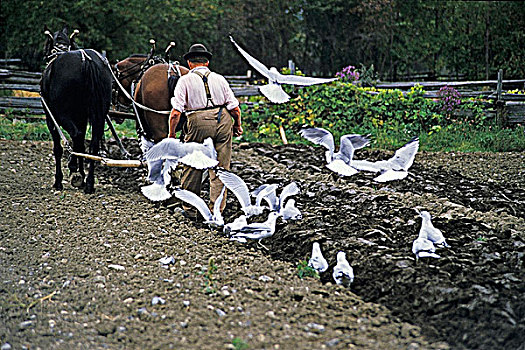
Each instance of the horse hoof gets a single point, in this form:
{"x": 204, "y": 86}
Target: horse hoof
{"x": 89, "y": 190}
{"x": 77, "y": 180}
{"x": 58, "y": 186}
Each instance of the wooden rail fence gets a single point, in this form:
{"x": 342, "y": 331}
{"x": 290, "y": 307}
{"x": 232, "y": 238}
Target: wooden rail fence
{"x": 506, "y": 108}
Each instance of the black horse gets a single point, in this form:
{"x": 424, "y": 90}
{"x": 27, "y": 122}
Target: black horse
{"x": 76, "y": 87}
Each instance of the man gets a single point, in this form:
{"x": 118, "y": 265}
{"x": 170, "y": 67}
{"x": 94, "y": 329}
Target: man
{"x": 210, "y": 105}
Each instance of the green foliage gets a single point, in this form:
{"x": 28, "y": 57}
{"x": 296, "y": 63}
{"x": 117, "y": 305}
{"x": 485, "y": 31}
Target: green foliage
{"x": 12, "y": 128}
{"x": 239, "y": 344}
{"x": 303, "y": 270}
{"x": 208, "y": 274}
{"x": 390, "y": 116}
{"x": 396, "y": 37}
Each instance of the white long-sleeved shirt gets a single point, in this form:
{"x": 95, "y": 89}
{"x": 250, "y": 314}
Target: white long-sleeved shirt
{"x": 190, "y": 93}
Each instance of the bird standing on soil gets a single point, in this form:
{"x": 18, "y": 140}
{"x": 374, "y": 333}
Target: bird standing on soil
{"x": 273, "y": 90}
{"x": 433, "y": 234}
{"x": 422, "y": 247}
{"x": 394, "y": 168}
{"x": 339, "y": 162}
{"x": 317, "y": 260}
{"x": 343, "y": 273}
{"x": 214, "y": 219}
{"x": 256, "y": 231}
{"x": 237, "y": 224}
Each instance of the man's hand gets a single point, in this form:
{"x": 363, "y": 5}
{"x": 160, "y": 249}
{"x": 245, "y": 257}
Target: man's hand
{"x": 174, "y": 120}
{"x": 237, "y": 130}
{"x": 237, "y": 127}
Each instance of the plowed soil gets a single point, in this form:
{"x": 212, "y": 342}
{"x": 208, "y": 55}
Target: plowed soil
{"x": 80, "y": 271}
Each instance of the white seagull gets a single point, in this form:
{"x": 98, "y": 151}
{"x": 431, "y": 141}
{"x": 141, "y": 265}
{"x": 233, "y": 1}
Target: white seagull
{"x": 433, "y": 234}
{"x": 236, "y": 224}
{"x": 340, "y": 162}
{"x": 174, "y": 149}
{"x": 343, "y": 272}
{"x": 239, "y": 188}
{"x": 287, "y": 210}
{"x": 164, "y": 156}
{"x": 317, "y": 260}
{"x": 273, "y": 90}
{"x": 159, "y": 172}
{"x": 394, "y": 168}
{"x": 422, "y": 247}
{"x": 256, "y": 231}
{"x": 214, "y": 219}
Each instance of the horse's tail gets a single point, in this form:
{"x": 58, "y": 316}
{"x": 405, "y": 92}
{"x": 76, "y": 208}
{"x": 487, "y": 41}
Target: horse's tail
{"x": 97, "y": 87}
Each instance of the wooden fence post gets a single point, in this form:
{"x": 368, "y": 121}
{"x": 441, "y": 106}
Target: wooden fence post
{"x": 291, "y": 66}
{"x": 500, "y": 104}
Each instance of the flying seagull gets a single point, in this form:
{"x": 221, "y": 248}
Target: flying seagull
{"x": 273, "y": 90}
{"x": 239, "y": 188}
{"x": 214, "y": 219}
{"x": 256, "y": 231}
{"x": 343, "y": 272}
{"x": 170, "y": 148}
{"x": 433, "y": 234}
{"x": 317, "y": 260}
{"x": 159, "y": 172}
{"x": 164, "y": 156}
{"x": 339, "y": 162}
{"x": 287, "y": 210}
{"x": 394, "y": 168}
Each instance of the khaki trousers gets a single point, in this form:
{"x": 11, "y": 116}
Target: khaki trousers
{"x": 201, "y": 125}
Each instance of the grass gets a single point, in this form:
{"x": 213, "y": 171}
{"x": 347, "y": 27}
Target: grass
{"x": 303, "y": 270}
{"x": 464, "y": 139}
{"x": 453, "y": 138}
{"x": 35, "y": 128}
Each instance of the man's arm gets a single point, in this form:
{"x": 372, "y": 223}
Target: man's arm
{"x": 174, "y": 120}
{"x": 237, "y": 124}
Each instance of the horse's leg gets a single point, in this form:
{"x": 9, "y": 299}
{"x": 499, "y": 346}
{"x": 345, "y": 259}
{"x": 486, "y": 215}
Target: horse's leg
{"x": 76, "y": 164}
{"x": 58, "y": 151}
{"x": 94, "y": 148}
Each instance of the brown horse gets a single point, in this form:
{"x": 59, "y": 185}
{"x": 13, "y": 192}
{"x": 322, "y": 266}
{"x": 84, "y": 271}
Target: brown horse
{"x": 152, "y": 91}
{"x": 127, "y": 71}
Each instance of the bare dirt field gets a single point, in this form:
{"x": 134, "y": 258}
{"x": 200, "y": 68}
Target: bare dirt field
{"x": 80, "y": 271}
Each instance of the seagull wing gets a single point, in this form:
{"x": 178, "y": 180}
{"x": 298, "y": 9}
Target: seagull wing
{"x": 267, "y": 191}
{"x": 404, "y": 157}
{"x": 346, "y": 149}
{"x": 191, "y": 198}
{"x": 289, "y": 190}
{"x": 366, "y": 165}
{"x": 302, "y": 81}
{"x": 167, "y": 148}
{"x": 198, "y": 160}
{"x": 261, "y": 68}
{"x": 155, "y": 192}
{"x": 358, "y": 141}
{"x": 235, "y": 184}
{"x": 274, "y": 93}
{"x": 217, "y": 215}
{"x": 391, "y": 175}
{"x": 319, "y": 136}
{"x": 340, "y": 167}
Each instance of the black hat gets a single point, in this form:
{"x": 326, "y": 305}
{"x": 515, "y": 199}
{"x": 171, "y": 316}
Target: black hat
{"x": 197, "y": 50}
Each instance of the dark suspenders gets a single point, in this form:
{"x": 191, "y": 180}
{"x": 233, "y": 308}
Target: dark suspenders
{"x": 206, "y": 87}
{"x": 209, "y": 100}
